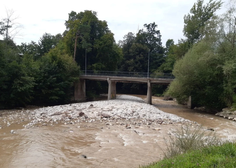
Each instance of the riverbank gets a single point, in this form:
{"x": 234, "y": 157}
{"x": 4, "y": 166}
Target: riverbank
{"x": 228, "y": 114}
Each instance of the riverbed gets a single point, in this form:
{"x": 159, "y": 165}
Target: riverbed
{"x": 93, "y": 135}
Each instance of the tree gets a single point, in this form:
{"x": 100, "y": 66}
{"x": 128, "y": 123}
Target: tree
{"x": 226, "y": 47}
{"x": 44, "y": 45}
{"x": 208, "y": 71}
{"x": 142, "y": 52}
{"x": 195, "y": 22}
{"x": 197, "y": 74}
{"x": 170, "y": 59}
{"x": 47, "y": 42}
{"x": 31, "y": 48}
{"x": 55, "y": 78}
{"x": 91, "y": 41}
{"x": 150, "y": 37}
{"x": 16, "y": 82}
{"x": 146, "y": 46}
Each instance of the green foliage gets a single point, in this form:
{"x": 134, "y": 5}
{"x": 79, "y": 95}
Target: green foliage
{"x": 198, "y": 18}
{"x": 137, "y": 48}
{"x": 207, "y": 72}
{"x": 222, "y": 156}
{"x": 188, "y": 138}
{"x": 16, "y": 84}
{"x": 197, "y": 75}
{"x": 139, "y": 51}
{"x": 234, "y": 102}
{"x": 45, "y": 44}
{"x": 95, "y": 44}
{"x": 55, "y": 78}
{"x": 25, "y": 79}
{"x": 168, "y": 64}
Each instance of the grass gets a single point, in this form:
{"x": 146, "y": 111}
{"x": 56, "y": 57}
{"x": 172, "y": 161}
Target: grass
{"x": 192, "y": 147}
{"x": 223, "y": 156}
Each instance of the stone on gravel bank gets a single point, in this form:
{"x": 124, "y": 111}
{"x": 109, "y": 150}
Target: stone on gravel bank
{"x": 116, "y": 111}
{"x": 228, "y": 114}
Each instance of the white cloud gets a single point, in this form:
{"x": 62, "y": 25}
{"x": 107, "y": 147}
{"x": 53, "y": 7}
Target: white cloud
{"x": 48, "y": 16}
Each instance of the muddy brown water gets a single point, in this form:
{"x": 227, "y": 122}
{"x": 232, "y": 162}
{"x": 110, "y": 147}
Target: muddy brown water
{"x": 94, "y": 144}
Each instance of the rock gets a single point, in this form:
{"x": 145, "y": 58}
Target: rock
{"x": 210, "y": 129}
{"x": 56, "y": 113}
{"x": 105, "y": 115}
{"x": 84, "y": 156}
{"x": 128, "y": 126}
{"x": 167, "y": 98}
{"x": 81, "y": 114}
{"x": 136, "y": 131}
{"x": 13, "y": 132}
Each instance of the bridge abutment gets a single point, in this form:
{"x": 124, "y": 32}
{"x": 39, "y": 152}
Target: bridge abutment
{"x": 111, "y": 89}
{"x": 80, "y": 90}
{"x": 149, "y": 92}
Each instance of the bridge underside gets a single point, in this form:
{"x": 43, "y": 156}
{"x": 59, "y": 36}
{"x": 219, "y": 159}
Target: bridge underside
{"x": 80, "y": 87}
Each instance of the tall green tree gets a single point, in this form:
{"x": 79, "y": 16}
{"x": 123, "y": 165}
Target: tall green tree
{"x": 16, "y": 83}
{"x": 142, "y": 52}
{"x": 227, "y": 50}
{"x": 208, "y": 71}
{"x": 195, "y": 22}
{"x": 95, "y": 44}
{"x": 145, "y": 47}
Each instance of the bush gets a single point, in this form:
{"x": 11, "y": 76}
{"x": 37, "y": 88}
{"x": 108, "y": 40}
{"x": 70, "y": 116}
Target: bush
{"x": 198, "y": 74}
{"x": 189, "y": 138}
{"x": 16, "y": 84}
{"x": 56, "y": 76}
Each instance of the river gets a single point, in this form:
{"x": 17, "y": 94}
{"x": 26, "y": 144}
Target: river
{"x": 94, "y": 144}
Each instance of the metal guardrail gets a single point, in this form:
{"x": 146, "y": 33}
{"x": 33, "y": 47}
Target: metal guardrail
{"x": 127, "y": 74}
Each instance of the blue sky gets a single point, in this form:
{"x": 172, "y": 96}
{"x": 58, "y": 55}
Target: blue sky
{"x": 48, "y": 16}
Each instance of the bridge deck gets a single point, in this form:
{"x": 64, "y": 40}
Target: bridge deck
{"x": 127, "y": 79}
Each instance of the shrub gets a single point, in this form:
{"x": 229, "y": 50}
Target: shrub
{"x": 16, "y": 84}
{"x": 56, "y": 76}
{"x": 189, "y": 138}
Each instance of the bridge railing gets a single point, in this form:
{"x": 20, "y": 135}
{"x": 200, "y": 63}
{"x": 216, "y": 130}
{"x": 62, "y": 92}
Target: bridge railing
{"x": 127, "y": 74}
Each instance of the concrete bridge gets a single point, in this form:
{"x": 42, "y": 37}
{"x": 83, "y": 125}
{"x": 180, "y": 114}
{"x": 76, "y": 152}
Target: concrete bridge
{"x": 113, "y": 77}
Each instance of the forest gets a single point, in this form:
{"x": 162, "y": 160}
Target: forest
{"x": 203, "y": 63}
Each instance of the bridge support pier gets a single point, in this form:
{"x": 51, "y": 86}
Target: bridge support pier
{"x": 80, "y": 90}
{"x": 189, "y": 103}
{"x": 149, "y": 92}
{"x": 111, "y": 89}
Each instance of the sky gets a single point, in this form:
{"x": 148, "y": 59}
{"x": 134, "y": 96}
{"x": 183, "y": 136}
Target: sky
{"x": 36, "y": 17}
